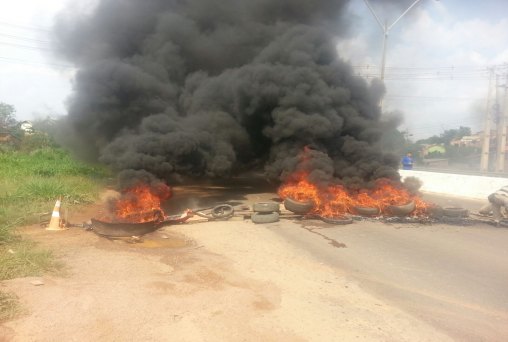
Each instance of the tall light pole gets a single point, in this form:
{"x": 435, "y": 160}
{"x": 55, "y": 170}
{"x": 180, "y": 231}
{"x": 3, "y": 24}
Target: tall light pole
{"x": 386, "y": 29}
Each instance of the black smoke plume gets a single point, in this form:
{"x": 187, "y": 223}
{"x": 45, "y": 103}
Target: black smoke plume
{"x": 210, "y": 88}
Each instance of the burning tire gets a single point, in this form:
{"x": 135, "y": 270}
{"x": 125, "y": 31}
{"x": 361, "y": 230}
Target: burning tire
{"x": 402, "y": 210}
{"x": 455, "y": 212}
{"x": 337, "y": 220}
{"x": 123, "y": 229}
{"x": 265, "y": 207}
{"x": 265, "y": 217}
{"x": 298, "y": 207}
{"x": 367, "y": 211}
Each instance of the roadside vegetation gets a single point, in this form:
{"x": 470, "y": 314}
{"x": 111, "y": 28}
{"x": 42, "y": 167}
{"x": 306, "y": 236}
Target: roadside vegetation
{"x": 34, "y": 172}
{"x": 443, "y": 146}
{"x": 9, "y": 306}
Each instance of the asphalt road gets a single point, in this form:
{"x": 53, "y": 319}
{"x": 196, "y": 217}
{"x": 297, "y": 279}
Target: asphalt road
{"x": 453, "y": 277}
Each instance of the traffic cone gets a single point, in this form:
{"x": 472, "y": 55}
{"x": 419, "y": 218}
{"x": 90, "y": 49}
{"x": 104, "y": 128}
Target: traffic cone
{"x": 55, "y": 222}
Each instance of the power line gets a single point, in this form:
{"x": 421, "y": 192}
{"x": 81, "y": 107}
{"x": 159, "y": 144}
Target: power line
{"x": 455, "y": 73}
{"x": 439, "y": 78}
{"x": 428, "y": 75}
{"x": 25, "y": 38}
{"x": 26, "y": 46}
{"x": 442, "y": 125}
{"x": 25, "y": 62}
{"x": 445, "y": 67}
{"x": 31, "y": 28}
{"x": 427, "y": 98}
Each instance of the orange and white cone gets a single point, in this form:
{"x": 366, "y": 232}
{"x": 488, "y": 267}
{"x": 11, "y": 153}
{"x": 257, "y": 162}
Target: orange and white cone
{"x": 55, "y": 222}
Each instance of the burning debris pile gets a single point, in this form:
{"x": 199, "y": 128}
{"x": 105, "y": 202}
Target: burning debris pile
{"x": 139, "y": 200}
{"x": 338, "y": 201}
{"x": 180, "y": 90}
{"x": 193, "y": 89}
{"x": 140, "y": 203}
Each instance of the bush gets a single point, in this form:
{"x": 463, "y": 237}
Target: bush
{"x": 37, "y": 140}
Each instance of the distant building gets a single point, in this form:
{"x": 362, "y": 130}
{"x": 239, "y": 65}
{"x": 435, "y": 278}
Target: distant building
{"x": 469, "y": 141}
{"x": 432, "y": 155}
{"x": 435, "y": 149}
{"x": 26, "y": 127}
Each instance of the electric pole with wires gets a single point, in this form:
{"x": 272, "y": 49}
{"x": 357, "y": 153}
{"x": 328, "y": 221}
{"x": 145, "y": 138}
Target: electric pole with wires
{"x": 501, "y": 124}
{"x": 484, "y": 163}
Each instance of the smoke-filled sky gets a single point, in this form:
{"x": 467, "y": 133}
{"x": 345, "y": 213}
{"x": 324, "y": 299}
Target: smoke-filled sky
{"x": 453, "y": 39}
{"x": 213, "y": 88}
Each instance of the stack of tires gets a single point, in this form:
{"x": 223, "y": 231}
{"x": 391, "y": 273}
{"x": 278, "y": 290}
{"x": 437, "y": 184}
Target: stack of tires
{"x": 265, "y": 212}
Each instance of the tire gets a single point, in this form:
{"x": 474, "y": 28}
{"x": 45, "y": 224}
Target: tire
{"x": 223, "y": 211}
{"x": 298, "y": 207}
{"x": 265, "y": 207}
{"x": 455, "y": 212}
{"x": 402, "y": 210}
{"x": 367, "y": 211}
{"x": 265, "y": 217}
{"x": 337, "y": 221}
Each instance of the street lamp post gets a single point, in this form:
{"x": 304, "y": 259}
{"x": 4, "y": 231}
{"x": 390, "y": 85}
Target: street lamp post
{"x": 386, "y": 29}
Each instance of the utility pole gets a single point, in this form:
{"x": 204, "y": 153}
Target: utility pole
{"x": 383, "y": 59}
{"x": 501, "y": 129}
{"x": 504, "y": 109}
{"x": 484, "y": 164}
{"x": 386, "y": 29}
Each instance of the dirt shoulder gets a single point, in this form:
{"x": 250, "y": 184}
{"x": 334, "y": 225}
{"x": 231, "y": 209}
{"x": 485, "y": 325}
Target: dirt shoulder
{"x": 214, "y": 281}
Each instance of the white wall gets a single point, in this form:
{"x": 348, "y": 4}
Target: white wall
{"x": 477, "y": 187}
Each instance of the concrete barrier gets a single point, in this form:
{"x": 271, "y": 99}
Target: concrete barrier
{"x": 475, "y": 187}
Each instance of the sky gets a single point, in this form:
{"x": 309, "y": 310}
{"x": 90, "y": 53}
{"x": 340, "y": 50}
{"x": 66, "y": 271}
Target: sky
{"x": 437, "y": 62}
{"x": 30, "y": 78}
{"x": 437, "y": 59}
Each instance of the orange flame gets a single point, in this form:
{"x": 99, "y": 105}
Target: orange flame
{"x": 337, "y": 201}
{"x": 141, "y": 203}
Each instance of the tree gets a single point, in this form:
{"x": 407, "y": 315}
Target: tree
{"x": 43, "y": 137}
{"x": 7, "y": 116}
{"x": 452, "y": 134}
{"x": 447, "y": 136}
{"x": 433, "y": 140}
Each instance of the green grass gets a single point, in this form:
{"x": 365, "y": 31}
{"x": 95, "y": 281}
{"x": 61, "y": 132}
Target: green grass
{"x": 29, "y": 185}
{"x": 24, "y": 259}
{"x": 31, "y": 182}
